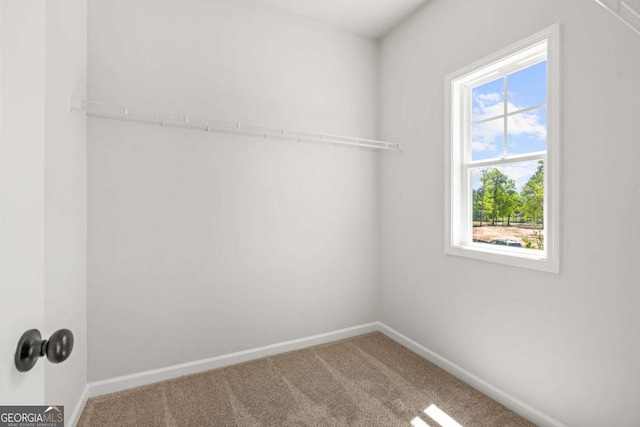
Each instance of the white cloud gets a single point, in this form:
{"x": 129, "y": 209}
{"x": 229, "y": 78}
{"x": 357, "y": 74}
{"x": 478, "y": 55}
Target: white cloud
{"x": 491, "y": 97}
{"x": 485, "y": 135}
{"x": 484, "y": 145}
{"x": 488, "y": 105}
{"x": 527, "y": 123}
{"x": 520, "y": 172}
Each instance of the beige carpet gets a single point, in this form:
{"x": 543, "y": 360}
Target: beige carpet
{"x": 364, "y": 381}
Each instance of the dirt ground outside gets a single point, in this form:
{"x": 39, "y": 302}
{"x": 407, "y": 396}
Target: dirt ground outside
{"x": 489, "y": 233}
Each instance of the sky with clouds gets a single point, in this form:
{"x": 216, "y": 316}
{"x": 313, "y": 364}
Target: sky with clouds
{"x": 526, "y": 131}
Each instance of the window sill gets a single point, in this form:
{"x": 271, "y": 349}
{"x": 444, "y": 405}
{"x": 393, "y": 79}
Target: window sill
{"x": 523, "y": 258}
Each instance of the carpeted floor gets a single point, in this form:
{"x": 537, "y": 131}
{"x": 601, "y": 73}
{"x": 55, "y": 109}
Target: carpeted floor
{"x": 365, "y": 381}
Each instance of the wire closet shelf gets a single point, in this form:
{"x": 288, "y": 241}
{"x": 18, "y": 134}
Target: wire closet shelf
{"x": 100, "y": 109}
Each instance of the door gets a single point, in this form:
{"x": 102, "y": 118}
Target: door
{"x": 22, "y": 186}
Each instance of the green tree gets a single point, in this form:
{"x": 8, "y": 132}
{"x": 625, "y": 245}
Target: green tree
{"x": 480, "y": 200}
{"x": 532, "y": 196}
{"x": 499, "y": 194}
{"x": 513, "y": 204}
{"x": 496, "y": 199}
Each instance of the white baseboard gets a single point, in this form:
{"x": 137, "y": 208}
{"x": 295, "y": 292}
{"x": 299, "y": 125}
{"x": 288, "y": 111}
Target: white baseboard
{"x": 519, "y": 407}
{"x": 72, "y": 421}
{"x": 112, "y": 385}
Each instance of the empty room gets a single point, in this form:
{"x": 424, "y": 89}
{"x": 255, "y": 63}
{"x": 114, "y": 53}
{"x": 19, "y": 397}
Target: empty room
{"x": 319, "y": 213}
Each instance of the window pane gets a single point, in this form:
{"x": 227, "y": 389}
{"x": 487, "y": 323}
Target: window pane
{"x": 487, "y": 100}
{"x": 487, "y": 139}
{"x": 527, "y": 87}
{"x": 507, "y": 203}
{"x": 527, "y": 132}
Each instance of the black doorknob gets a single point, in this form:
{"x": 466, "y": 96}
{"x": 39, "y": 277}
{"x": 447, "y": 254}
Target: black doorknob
{"x": 31, "y": 346}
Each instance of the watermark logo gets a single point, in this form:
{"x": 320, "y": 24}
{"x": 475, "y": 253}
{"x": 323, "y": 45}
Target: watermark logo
{"x": 31, "y": 416}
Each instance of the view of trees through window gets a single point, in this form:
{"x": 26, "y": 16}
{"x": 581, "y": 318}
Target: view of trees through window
{"x": 508, "y": 143}
{"x": 508, "y": 208}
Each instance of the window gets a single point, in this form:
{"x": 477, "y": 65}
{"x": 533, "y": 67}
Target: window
{"x": 502, "y": 156}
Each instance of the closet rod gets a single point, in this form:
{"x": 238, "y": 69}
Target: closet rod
{"x": 120, "y": 112}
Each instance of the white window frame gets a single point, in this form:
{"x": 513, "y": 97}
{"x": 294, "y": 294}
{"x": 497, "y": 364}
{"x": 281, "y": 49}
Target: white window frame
{"x": 458, "y": 239}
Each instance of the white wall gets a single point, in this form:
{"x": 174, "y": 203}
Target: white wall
{"x": 204, "y": 244}
{"x": 22, "y": 94}
{"x": 65, "y": 219}
{"x": 565, "y": 344}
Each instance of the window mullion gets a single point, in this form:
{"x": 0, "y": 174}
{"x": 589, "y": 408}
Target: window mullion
{"x": 512, "y": 113}
{"x": 506, "y": 160}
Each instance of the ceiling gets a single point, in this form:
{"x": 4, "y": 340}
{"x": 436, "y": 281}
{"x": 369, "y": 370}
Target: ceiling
{"x": 374, "y": 18}
{"x": 369, "y": 18}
